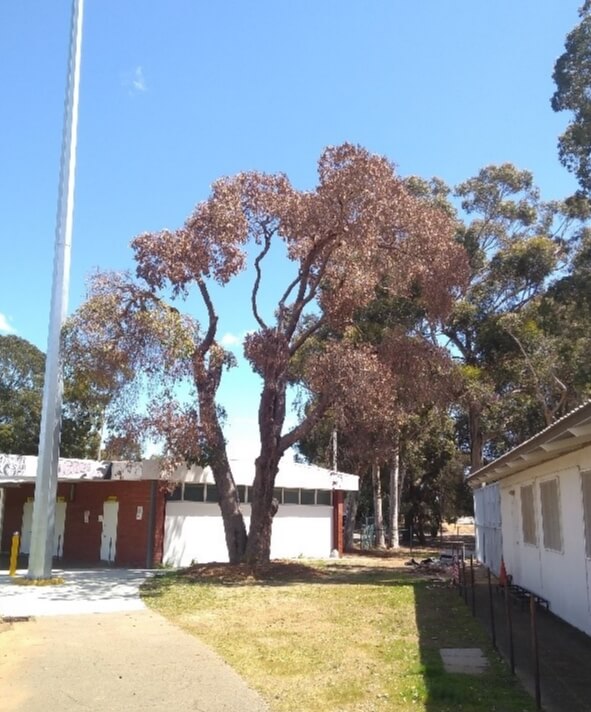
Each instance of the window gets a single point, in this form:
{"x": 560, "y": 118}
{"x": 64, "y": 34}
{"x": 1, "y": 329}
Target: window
{"x": 324, "y": 497}
{"x": 211, "y": 493}
{"x": 194, "y": 493}
{"x": 551, "y": 524}
{"x": 242, "y": 493}
{"x": 176, "y": 494}
{"x": 291, "y": 496}
{"x": 307, "y": 496}
{"x": 278, "y": 494}
{"x": 528, "y": 516}
{"x": 586, "y": 482}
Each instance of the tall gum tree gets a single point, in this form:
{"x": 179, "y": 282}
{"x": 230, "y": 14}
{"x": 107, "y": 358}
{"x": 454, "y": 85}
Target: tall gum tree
{"x": 572, "y": 76}
{"x": 514, "y": 242}
{"x": 359, "y": 227}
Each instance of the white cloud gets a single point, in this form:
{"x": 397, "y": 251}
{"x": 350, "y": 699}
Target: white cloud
{"x": 5, "y": 326}
{"x": 139, "y": 81}
{"x": 228, "y": 340}
{"x": 135, "y": 81}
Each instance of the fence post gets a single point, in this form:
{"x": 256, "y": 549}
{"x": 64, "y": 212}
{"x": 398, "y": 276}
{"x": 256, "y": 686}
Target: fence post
{"x": 465, "y": 579}
{"x": 534, "y": 649}
{"x": 509, "y": 628}
{"x": 492, "y": 611}
{"x": 472, "y": 584}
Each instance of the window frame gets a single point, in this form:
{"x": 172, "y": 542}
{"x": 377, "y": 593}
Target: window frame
{"x": 548, "y": 518}
{"x": 533, "y": 529}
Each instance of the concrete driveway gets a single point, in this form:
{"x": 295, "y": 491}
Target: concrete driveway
{"x": 83, "y": 591}
{"x": 119, "y": 658}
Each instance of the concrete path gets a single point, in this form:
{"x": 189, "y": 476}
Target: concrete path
{"x": 83, "y": 591}
{"x": 127, "y": 659}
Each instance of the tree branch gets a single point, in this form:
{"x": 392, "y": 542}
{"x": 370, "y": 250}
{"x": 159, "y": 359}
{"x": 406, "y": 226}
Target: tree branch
{"x": 257, "y": 282}
{"x": 205, "y": 345}
{"x": 301, "y": 430}
{"x": 305, "y": 335}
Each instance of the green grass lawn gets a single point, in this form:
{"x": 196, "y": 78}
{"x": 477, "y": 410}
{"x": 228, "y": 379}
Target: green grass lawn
{"x": 356, "y": 634}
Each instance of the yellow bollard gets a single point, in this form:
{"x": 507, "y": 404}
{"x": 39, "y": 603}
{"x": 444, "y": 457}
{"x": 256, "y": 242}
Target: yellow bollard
{"x": 16, "y": 540}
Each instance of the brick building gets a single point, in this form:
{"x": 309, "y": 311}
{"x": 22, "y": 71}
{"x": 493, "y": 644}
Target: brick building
{"x": 124, "y": 514}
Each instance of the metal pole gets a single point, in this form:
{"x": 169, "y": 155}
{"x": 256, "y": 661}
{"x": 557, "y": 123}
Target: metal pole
{"x": 464, "y": 580}
{"x": 510, "y": 628}
{"x": 492, "y": 611}
{"x": 534, "y": 650}
{"x": 47, "y": 464}
{"x": 472, "y": 585}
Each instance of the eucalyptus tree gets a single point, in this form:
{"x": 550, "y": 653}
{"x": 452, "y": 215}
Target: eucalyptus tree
{"x": 514, "y": 243}
{"x": 572, "y": 76}
{"x": 358, "y": 228}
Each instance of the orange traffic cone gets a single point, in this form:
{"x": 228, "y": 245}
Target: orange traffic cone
{"x": 503, "y": 574}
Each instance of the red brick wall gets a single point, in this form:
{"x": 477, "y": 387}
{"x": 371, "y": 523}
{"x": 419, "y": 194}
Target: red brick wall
{"x": 15, "y": 498}
{"x": 82, "y": 540}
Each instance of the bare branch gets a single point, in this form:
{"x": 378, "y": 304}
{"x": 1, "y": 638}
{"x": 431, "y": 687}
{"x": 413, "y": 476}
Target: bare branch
{"x": 257, "y": 282}
{"x": 305, "y": 335}
{"x": 205, "y": 345}
{"x": 301, "y": 430}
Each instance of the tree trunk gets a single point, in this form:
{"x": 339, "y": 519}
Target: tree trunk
{"x": 258, "y": 548}
{"x": 476, "y": 437}
{"x": 394, "y": 498}
{"x": 271, "y": 419}
{"x": 351, "y": 504}
{"x": 207, "y": 379}
{"x": 377, "y": 506}
{"x": 234, "y": 527}
{"x": 273, "y": 446}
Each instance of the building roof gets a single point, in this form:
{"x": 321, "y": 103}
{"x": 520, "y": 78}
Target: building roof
{"x": 569, "y": 433}
{"x": 15, "y": 469}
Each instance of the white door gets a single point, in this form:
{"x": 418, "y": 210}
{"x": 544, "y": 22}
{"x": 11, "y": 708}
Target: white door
{"x": 26, "y": 527}
{"x": 109, "y": 535}
{"x": 58, "y": 532}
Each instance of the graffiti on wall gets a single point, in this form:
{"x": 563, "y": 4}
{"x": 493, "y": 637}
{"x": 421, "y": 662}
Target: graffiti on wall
{"x": 13, "y": 467}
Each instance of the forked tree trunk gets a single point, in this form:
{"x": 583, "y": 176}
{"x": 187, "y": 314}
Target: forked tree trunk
{"x": 351, "y": 504}
{"x": 377, "y": 506}
{"x": 394, "y": 512}
{"x": 271, "y": 419}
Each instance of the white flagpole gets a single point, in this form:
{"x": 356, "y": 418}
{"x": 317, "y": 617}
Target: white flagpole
{"x": 41, "y": 553}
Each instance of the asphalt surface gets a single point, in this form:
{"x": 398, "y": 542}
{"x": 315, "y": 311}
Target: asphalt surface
{"x": 90, "y": 644}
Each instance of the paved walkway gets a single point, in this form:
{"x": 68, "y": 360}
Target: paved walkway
{"x": 83, "y": 591}
{"x": 70, "y": 657}
{"x": 564, "y": 652}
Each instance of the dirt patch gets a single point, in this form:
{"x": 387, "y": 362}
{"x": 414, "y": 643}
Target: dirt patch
{"x": 4, "y": 626}
{"x": 284, "y": 571}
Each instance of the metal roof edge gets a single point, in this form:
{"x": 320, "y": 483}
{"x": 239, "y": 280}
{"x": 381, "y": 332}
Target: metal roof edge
{"x": 485, "y": 473}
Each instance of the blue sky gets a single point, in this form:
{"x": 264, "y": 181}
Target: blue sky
{"x": 175, "y": 94}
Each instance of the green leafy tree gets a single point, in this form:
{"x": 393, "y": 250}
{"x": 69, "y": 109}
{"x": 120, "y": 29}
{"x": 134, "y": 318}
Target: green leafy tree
{"x": 434, "y": 485}
{"x": 514, "y": 242}
{"x": 572, "y": 76}
{"x": 22, "y": 370}
{"x": 22, "y": 367}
